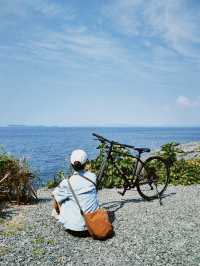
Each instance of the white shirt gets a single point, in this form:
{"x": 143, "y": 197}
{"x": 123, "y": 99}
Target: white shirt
{"x": 70, "y": 215}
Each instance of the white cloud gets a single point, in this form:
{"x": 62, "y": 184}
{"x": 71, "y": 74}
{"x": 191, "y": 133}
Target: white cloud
{"x": 186, "y": 102}
{"x": 77, "y": 42}
{"x": 183, "y": 101}
{"x": 73, "y": 47}
{"x": 172, "y": 22}
{"x": 25, "y": 9}
{"x": 59, "y": 41}
{"x": 65, "y": 43}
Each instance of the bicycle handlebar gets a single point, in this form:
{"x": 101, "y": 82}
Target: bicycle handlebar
{"x": 102, "y": 139}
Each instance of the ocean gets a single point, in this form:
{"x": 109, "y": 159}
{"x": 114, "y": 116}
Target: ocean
{"x": 48, "y": 148}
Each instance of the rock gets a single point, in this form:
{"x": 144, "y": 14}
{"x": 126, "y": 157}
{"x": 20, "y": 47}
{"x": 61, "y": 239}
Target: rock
{"x": 191, "y": 151}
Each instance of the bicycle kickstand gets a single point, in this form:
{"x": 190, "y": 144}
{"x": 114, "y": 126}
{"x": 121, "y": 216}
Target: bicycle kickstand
{"x": 124, "y": 191}
{"x": 158, "y": 195}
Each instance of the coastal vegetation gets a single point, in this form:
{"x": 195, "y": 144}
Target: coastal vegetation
{"x": 56, "y": 179}
{"x": 182, "y": 171}
{"x": 18, "y": 185}
{"x": 16, "y": 179}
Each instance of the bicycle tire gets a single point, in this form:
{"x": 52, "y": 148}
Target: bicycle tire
{"x": 154, "y": 172}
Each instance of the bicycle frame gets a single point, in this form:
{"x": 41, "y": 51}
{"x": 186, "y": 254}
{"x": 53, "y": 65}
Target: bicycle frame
{"x": 137, "y": 171}
{"x": 127, "y": 183}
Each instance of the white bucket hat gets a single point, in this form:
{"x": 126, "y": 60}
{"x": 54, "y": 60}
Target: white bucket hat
{"x": 79, "y": 156}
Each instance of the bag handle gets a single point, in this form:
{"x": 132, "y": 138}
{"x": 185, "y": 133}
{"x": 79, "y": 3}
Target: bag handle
{"x": 75, "y": 197}
{"x": 73, "y": 193}
{"x": 88, "y": 179}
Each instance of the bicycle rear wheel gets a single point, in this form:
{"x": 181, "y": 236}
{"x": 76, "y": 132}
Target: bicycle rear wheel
{"x": 153, "y": 178}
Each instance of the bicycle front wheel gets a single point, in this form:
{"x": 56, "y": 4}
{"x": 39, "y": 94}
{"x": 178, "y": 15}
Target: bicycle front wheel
{"x": 153, "y": 178}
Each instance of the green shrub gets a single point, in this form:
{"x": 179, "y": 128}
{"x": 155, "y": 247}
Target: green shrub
{"x": 112, "y": 177}
{"x": 185, "y": 172}
{"x": 182, "y": 172}
{"x": 169, "y": 152}
{"x": 56, "y": 180}
{"x": 19, "y": 184}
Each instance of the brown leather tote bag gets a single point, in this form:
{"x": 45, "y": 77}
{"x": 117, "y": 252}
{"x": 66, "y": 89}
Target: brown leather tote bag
{"x": 97, "y": 222}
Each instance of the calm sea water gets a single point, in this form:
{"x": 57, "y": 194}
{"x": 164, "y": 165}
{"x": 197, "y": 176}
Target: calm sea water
{"x": 47, "y": 147}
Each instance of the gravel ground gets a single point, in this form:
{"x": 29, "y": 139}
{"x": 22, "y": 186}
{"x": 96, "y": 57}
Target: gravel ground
{"x": 145, "y": 233}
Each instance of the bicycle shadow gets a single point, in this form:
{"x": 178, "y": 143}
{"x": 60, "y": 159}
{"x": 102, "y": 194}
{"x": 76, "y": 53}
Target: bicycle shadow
{"x": 113, "y": 206}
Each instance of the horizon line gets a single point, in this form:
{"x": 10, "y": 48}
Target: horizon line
{"x": 101, "y": 126}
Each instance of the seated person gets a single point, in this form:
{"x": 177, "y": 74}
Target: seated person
{"x": 68, "y": 212}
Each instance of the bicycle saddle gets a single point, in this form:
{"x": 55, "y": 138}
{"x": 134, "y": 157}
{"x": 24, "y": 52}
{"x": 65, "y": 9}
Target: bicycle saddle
{"x": 141, "y": 150}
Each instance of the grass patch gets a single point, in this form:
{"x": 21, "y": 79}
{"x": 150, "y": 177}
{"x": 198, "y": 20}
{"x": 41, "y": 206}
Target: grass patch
{"x": 41, "y": 240}
{"x": 4, "y": 250}
{"x": 2, "y": 221}
{"x": 50, "y": 242}
{"x": 15, "y": 225}
{"x": 11, "y": 227}
{"x": 8, "y": 233}
{"x": 38, "y": 240}
{"x": 38, "y": 251}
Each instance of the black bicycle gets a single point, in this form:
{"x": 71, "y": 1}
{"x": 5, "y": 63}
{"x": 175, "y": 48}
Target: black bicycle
{"x": 150, "y": 177}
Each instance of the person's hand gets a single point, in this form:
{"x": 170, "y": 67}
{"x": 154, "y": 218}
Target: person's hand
{"x": 56, "y": 206}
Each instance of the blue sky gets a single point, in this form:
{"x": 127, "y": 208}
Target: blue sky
{"x": 119, "y": 62}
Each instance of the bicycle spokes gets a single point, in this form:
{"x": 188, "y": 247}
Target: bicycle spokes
{"x": 153, "y": 178}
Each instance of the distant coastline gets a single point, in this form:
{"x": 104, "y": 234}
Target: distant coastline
{"x": 98, "y": 126}
{"x": 15, "y": 126}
